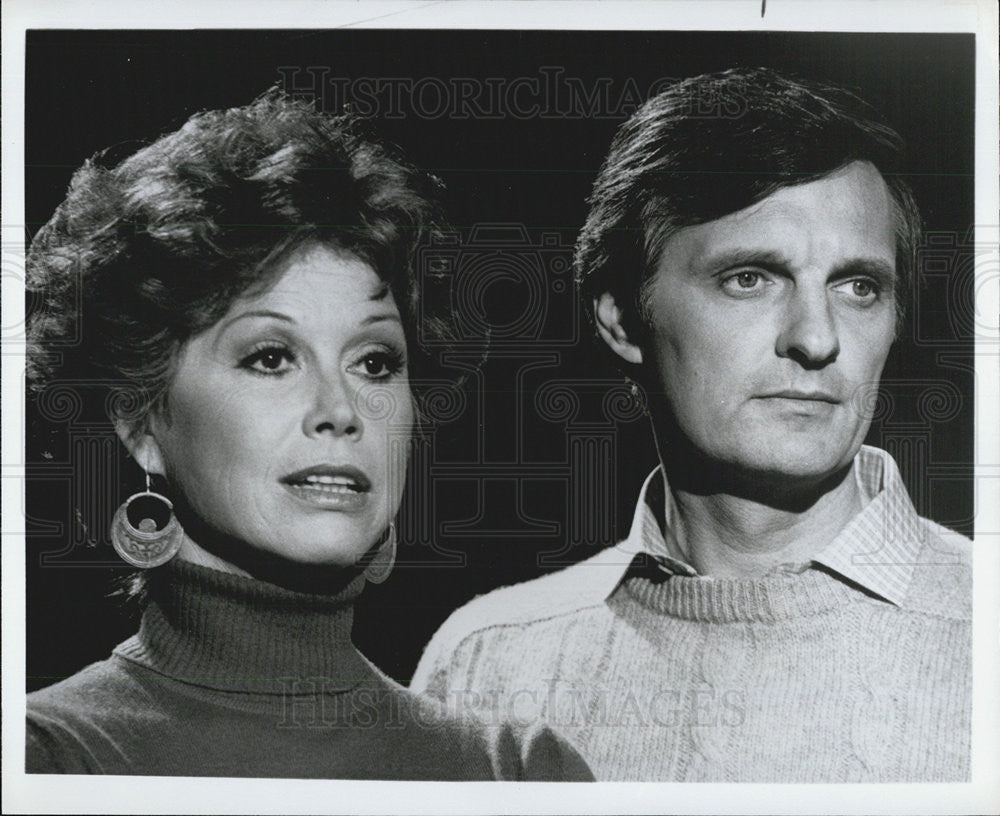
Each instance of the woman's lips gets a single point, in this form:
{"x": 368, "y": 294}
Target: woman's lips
{"x": 330, "y": 487}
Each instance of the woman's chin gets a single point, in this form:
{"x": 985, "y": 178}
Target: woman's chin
{"x": 261, "y": 561}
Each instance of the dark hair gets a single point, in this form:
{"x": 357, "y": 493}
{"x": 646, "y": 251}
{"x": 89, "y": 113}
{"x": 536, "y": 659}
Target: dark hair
{"x": 143, "y": 255}
{"x": 715, "y": 144}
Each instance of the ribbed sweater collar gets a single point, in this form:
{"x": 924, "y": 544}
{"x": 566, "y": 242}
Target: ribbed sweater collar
{"x": 231, "y": 633}
{"x": 729, "y": 600}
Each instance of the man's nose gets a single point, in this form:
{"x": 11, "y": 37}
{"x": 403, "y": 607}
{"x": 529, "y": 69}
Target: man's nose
{"x": 808, "y": 332}
{"x": 332, "y": 408}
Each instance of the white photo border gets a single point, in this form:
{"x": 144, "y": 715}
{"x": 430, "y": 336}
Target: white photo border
{"x": 31, "y": 794}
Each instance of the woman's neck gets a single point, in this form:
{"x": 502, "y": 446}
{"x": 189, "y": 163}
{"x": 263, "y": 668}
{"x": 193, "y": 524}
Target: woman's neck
{"x": 194, "y": 553}
{"x": 239, "y": 558}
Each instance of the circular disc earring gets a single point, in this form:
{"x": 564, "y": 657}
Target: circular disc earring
{"x": 378, "y": 569}
{"x": 144, "y": 531}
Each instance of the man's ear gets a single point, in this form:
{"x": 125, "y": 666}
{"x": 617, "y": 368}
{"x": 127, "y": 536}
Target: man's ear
{"x": 610, "y": 326}
{"x": 141, "y": 443}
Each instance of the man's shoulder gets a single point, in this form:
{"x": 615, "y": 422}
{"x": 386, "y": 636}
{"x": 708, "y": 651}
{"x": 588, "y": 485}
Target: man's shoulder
{"x": 532, "y": 609}
{"x": 573, "y": 589}
{"x": 944, "y": 539}
{"x": 942, "y": 577}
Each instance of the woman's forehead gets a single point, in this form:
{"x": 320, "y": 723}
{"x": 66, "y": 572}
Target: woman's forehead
{"x": 319, "y": 276}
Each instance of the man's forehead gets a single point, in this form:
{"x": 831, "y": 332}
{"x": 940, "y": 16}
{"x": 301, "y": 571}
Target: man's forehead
{"x": 847, "y": 212}
{"x": 856, "y": 187}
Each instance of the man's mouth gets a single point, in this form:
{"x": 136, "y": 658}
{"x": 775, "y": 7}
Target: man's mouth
{"x": 803, "y": 396}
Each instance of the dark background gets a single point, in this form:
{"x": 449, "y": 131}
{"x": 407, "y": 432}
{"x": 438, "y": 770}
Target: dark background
{"x": 540, "y": 465}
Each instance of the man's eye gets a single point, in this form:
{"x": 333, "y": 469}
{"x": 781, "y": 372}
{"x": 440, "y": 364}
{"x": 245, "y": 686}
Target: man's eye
{"x": 269, "y": 360}
{"x": 862, "y": 289}
{"x": 744, "y": 282}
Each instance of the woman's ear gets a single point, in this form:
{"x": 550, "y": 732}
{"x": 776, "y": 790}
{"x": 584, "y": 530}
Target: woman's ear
{"x": 140, "y": 442}
{"x": 611, "y": 328}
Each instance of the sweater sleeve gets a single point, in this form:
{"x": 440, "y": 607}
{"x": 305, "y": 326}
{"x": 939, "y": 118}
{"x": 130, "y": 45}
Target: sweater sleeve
{"x": 544, "y": 757}
{"x": 432, "y": 676}
{"x": 50, "y": 749}
{"x": 452, "y": 659}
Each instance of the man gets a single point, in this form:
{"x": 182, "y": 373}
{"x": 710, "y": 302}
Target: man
{"x": 778, "y": 612}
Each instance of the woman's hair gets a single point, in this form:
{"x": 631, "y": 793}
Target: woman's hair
{"x": 147, "y": 253}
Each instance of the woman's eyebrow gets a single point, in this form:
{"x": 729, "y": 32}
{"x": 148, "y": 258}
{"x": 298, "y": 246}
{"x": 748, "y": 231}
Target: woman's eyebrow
{"x": 381, "y": 316}
{"x": 257, "y": 313}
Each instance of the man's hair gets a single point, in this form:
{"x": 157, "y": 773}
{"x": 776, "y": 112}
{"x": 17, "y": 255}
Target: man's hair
{"x": 144, "y": 254}
{"x": 714, "y": 144}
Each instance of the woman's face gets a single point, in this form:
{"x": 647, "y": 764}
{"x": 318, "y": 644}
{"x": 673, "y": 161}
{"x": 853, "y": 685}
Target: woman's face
{"x": 287, "y": 424}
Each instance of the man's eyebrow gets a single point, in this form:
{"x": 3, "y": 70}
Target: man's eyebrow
{"x": 876, "y": 268}
{"x": 884, "y": 273}
{"x": 746, "y": 257}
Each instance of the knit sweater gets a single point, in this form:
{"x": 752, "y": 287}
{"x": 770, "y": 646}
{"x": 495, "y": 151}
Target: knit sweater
{"x": 229, "y": 676}
{"x": 802, "y": 675}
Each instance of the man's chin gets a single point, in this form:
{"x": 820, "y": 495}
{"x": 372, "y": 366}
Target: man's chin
{"x": 760, "y": 461}
{"x": 789, "y": 470}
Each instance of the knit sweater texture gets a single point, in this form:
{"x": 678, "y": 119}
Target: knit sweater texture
{"x": 797, "y": 676}
{"x": 230, "y": 676}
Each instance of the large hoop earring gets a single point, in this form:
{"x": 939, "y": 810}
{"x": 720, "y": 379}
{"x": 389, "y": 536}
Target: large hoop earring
{"x": 157, "y": 536}
{"x": 377, "y": 570}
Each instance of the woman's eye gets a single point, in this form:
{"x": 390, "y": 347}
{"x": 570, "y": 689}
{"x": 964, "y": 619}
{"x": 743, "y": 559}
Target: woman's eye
{"x": 379, "y": 364}
{"x": 269, "y": 360}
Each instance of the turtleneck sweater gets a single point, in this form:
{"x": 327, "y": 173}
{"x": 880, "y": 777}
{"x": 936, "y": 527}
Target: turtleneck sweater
{"x": 230, "y": 676}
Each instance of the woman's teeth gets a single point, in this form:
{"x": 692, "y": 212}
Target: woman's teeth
{"x": 339, "y": 484}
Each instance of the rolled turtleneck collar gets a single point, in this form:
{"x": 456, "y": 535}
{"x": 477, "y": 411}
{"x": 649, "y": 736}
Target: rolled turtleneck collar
{"x": 231, "y": 633}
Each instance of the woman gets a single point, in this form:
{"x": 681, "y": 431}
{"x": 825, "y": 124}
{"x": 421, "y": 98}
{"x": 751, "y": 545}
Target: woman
{"x": 246, "y": 286}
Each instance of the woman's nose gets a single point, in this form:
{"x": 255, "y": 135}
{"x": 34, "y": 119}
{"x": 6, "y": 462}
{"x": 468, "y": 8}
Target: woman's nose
{"x": 333, "y": 410}
{"x": 808, "y": 332}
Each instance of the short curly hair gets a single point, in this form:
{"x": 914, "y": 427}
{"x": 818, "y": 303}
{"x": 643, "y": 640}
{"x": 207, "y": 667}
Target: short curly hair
{"x": 714, "y": 144}
{"x": 143, "y": 255}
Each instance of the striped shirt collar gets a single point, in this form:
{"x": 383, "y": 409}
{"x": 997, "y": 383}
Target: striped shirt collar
{"x": 877, "y": 550}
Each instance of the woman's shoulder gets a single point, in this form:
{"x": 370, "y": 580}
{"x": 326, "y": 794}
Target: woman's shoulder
{"x": 81, "y": 694}
{"x": 63, "y": 718}
{"x": 116, "y": 717}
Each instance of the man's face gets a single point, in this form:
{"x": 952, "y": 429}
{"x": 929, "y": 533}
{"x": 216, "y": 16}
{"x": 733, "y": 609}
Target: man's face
{"x": 769, "y": 325}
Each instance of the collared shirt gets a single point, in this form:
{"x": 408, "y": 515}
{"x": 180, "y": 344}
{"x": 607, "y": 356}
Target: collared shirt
{"x": 858, "y": 669}
{"x": 877, "y": 550}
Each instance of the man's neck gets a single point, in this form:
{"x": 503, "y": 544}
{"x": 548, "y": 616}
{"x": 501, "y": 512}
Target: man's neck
{"x": 727, "y": 533}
